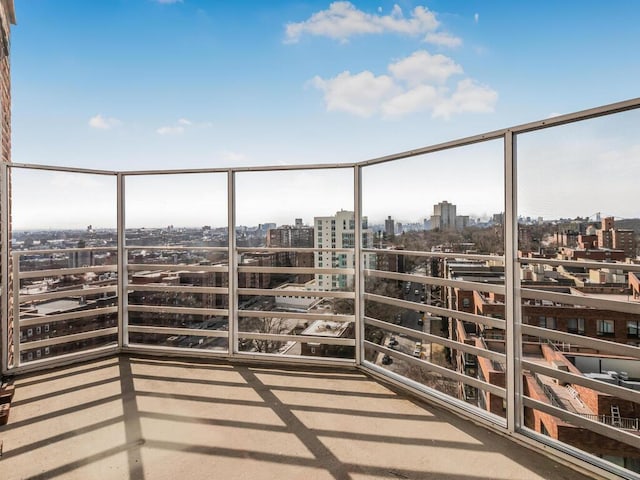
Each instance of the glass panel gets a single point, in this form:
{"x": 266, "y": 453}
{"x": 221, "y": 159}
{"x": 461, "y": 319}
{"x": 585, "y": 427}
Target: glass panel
{"x": 580, "y": 218}
{"x": 439, "y": 209}
{"x": 64, "y": 250}
{"x": 177, "y": 250}
{"x": 280, "y": 255}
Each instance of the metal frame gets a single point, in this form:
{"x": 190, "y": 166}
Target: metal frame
{"x": 4, "y": 265}
{"x": 512, "y": 284}
{"x": 512, "y": 289}
{"x": 123, "y": 274}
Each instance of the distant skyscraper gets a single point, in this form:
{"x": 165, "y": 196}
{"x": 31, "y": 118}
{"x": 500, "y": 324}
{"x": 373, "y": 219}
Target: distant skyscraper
{"x": 339, "y": 232}
{"x": 389, "y": 227}
{"x": 444, "y": 216}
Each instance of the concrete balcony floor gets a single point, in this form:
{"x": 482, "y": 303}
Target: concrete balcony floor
{"x": 132, "y": 417}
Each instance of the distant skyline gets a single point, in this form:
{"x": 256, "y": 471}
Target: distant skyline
{"x": 162, "y": 84}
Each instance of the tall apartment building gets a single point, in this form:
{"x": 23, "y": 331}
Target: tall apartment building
{"x": 338, "y": 231}
{"x": 389, "y": 227}
{"x": 444, "y": 216}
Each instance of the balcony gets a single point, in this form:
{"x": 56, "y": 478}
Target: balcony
{"x": 143, "y": 417}
{"x": 291, "y": 338}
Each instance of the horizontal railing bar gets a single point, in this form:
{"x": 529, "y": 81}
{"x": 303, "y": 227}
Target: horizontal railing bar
{"x": 275, "y": 292}
{"x": 58, "y": 272}
{"x": 430, "y": 338}
{"x": 175, "y": 247}
{"x": 74, "y": 337}
{"x": 178, "y": 310}
{"x": 599, "y": 386}
{"x": 418, "y": 253}
{"x": 294, "y": 359}
{"x": 579, "y": 421}
{"x": 140, "y": 267}
{"x": 443, "y": 282}
{"x": 613, "y": 348}
{"x": 61, "y": 317}
{"x": 149, "y": 287}
{"x": 445, "y": 372}
{"x": 497, "y": 134}
{"x": 581, "y": 115}
{"x": 462, "y": 142}
{"x": 35, "y": 297}
{"x": 171, "y": 351}
{"x": 572, "y": 299}
{"x": 294, "y": 249}
{"x": 297, "y": 338}
{"x": 632, "y": 267}
{"x": 297, "y": 270}
{"x": 271, "y": 168}
{"x": 64, "y": 359}
{"x": 51, "y": 251}
{"x": 31, "y": 166}
{"x": 294, "y": 315}
{"x": 196, "y": 332}
{"x": 438, "y": 311}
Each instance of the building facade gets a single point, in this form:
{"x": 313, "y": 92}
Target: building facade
{"x": 337, "y": 232}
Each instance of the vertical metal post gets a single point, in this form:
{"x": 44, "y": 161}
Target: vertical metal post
{"x": 123, "y": 275}
{"x": 512, "y": 287}
{"x": 358, "y": 285}
{"x": 15, "y": 271}
{"x": 233, "y": 263}
{"x": 4, "y": 263}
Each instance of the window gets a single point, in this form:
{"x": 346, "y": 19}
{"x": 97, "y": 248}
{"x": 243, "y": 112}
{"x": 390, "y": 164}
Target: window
{"x": 547, "y": 322}
{"x": 30, "y": 334}
{"x": 38, "y": 330}
{"x": 466, "y": 303}
{"x": 575, "y": 325}
{"x": 632, "y": 328}
{"x": 46, "y": 328}
{"x": 605, "y": 327}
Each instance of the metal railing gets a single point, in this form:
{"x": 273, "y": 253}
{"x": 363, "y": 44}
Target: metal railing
{"x": 127, "y": 318}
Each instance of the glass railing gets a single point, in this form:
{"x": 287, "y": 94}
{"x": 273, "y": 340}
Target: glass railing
{"x": 476, "y": 301}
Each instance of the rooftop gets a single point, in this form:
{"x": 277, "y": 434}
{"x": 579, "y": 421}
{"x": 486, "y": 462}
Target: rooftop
{"x": 137, "y": 417}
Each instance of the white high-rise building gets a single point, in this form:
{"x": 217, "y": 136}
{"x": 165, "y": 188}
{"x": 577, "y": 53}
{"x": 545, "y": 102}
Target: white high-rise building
{"x": 339, "y": 232}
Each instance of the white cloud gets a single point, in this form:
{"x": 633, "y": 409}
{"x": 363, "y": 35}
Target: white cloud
{"x": 422, "y": 67}
{"x": 420, "y": 98}
{"x": 469, "y": 96}
{"x": 104, "y": 123}
{"x": 343, "y": 20}
{"x": 420, "y": 82}
{"x": 175, "y": 130}
{"x": 358, "y": 94}
{"x": 443, "y": 39}
{"x": 184, "y": 121}
{"x": 168, "y": 2}
{"x": 476, "y": 17}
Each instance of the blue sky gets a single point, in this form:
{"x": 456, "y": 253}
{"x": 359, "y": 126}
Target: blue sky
{"x": 154, "y": 84}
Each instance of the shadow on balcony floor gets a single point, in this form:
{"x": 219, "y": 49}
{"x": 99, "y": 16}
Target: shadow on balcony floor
{"x": 136, "y": 417}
